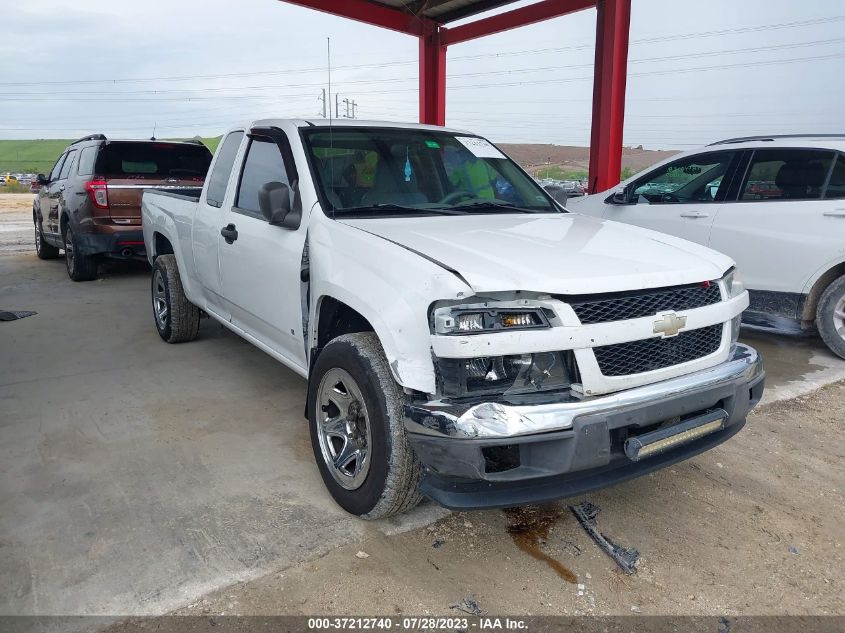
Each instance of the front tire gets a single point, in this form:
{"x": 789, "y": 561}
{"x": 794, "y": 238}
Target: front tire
{"x": 79, "y": 267}
{"x": 42, "y": 248}
{"x": 177, "y": 319}
{"x": 358, "y": 432}
{"x": 830, "y": 316}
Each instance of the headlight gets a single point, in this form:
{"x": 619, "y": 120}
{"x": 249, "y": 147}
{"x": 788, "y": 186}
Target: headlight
{"x": 471, "y": 320}
{"x": 733, "y": 283}
{"x": 521, "y": 373}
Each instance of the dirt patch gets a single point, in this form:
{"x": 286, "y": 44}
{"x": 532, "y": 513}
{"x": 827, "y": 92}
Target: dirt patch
{"x": 752, "y": 527}
{"x": 16, "y": 202}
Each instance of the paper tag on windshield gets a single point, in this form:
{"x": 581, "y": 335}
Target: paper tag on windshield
{"x": 481, "y": 148}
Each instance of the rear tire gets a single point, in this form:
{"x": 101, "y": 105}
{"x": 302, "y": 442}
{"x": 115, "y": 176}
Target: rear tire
{"x": 42, "y": 248}
{"x": 177, "y": 319}
{"x": 830, "y": 316}
{"x": 353, "y": 400}
{"x": 79, "y": 267}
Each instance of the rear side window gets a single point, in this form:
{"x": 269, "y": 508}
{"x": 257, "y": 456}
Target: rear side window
{"x": 57, "y": 168}
{"x": 86, "y": 161}
{"x": 836, "y": 186}
{"x": 71, "y": 157}
{"x": 219, "y": 177}
{"x": 263, "y": 164}
{"x": 157, "y": 160}
{"x": 786, "y": 174}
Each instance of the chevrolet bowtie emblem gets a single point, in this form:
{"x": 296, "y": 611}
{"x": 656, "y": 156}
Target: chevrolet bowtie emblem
{"x": 670, "y": 324}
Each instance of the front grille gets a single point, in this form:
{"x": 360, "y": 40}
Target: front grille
{"x": 649, "y": 354}
{"x": 641, "y": 303}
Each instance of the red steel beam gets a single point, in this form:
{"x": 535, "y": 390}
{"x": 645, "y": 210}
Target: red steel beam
{"x": 613, "y": 19}
{"x": 512, "y": 19}
{"x": 433, "y": 78}
{"x": 370, "y": 13}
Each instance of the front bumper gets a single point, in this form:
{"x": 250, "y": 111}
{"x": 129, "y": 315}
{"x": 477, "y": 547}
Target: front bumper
{"x": 504, "y": 454}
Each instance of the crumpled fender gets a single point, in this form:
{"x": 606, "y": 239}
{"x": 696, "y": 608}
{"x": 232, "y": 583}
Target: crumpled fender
{"x": 389, "y": 286}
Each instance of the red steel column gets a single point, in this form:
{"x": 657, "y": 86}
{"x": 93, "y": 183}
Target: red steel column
{"x": 613, "y": 19}
{"x": 432, "y": 78}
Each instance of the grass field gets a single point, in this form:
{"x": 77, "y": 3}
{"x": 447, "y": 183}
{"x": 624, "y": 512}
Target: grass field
{"x": 38, "y": 156}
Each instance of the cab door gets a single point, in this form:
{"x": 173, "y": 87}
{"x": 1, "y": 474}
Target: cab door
{"x": 260, "y": 262}
{"x": 680, "y": 198}
{"x": 205, "y": 228}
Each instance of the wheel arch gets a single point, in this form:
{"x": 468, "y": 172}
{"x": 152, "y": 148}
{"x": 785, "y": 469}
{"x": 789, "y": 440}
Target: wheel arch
{"x": 161, "y": 245}
{"x": 811, "y": 301}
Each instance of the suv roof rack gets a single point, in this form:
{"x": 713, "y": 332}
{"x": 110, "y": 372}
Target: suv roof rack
{"x": 771, "y": 137}
{"x": 90, "y": 137}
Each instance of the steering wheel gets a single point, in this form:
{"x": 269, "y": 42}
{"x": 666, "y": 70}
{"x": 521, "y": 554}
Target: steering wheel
{"x": 455, "y": 196}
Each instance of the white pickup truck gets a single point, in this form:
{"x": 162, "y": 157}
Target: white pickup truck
{"x": 462, "y": 335}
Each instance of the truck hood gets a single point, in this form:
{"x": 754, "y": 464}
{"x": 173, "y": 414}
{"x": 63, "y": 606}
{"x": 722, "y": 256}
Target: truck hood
{"x": 560, "y": 253}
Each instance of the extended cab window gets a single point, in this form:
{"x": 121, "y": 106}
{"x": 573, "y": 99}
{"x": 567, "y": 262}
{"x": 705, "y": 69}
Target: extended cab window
{"x": 836, "y": 186}
{"x": 71, "y": 157}
{"x": 263, "y": 164}
{"x": 219, "y": 177}
{"x": 789, "y": 174}
{"x": 692, "y": 179}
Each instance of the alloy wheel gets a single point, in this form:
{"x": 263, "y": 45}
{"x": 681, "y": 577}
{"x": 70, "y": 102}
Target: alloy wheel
{"x": 160, "y": 300}
{"x": 343, "y": 428}
{"x": 69, "y": 250}
{"x": 839, "y": 316}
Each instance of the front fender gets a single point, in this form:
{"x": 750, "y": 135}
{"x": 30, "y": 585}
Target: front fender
{"x": 389, "y": 286}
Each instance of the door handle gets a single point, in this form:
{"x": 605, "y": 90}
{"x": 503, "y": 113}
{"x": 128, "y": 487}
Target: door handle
{"x": 695, "y": 214}
{"x": 229, "y": 233}
{"x": 836, "y": 213}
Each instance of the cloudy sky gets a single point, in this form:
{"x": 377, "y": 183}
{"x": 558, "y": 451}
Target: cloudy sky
{"x": 699, "y": 71}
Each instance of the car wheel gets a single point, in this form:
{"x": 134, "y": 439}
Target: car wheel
{"x": 177, "y": 319}
{"x": 830, "y": 316}
{"x": 358, "y": 432}
{"x": 42, "y": 248}
{"x": 79, "y": 267}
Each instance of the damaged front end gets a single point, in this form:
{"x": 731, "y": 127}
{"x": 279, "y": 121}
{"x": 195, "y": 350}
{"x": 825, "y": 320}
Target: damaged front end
{"x": 509, "y": 428}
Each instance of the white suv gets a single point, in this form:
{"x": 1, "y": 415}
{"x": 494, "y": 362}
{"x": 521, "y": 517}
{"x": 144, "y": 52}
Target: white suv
{"x": 775, "y": 204}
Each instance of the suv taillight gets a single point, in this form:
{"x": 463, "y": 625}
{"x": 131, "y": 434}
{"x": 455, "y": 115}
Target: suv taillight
{"x": 98, "y": 190}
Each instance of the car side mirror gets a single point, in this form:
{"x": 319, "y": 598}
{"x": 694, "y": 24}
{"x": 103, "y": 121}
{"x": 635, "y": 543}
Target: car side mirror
{"x": 275, "y": 206}
{"x": 620, "y": 197}
{"x": 42, "y": 179}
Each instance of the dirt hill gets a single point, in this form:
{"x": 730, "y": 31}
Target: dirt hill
{"x": 571, "y": 158}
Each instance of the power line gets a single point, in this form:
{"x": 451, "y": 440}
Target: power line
{"x": 667, "y": 38}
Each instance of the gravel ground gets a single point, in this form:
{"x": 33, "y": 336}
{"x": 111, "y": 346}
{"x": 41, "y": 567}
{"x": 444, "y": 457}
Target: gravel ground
{"x": 16, "y": 231}
{"x": 753, "y": 527}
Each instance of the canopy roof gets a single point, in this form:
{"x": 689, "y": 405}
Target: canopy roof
{"x": 442, "y": 11}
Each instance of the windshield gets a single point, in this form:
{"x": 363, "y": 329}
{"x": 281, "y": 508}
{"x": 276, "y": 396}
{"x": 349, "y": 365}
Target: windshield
{"x": 389, "y": 172}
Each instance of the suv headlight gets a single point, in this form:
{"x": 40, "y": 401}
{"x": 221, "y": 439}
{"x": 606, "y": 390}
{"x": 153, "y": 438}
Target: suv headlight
{"x": 733, "y": 283}
{"x": 484, "y": 320}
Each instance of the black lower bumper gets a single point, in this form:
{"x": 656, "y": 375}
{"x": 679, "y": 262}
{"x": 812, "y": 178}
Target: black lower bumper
{"x": 127, "y": 244}
{"x": 465, "y": 474}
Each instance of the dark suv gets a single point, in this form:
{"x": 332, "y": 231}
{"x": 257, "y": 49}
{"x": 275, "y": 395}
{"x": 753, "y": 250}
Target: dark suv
{"x": 90, "y": 204}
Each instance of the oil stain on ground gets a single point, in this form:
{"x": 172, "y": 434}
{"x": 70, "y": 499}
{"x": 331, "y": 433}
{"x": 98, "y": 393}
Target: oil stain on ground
{"x": 531, "y": 525}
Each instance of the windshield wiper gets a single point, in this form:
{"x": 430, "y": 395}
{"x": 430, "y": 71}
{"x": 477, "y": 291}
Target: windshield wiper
{"x": 369, "y": 208}
{"x": 493, "y": 205}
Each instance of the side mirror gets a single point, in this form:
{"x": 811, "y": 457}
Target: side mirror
{"x": 42, "y": 179}
{"x": 274, "y": 202}
{"x": 619, "y": 197}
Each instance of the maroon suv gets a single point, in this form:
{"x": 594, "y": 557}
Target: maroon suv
{"x": 90, "y": 204}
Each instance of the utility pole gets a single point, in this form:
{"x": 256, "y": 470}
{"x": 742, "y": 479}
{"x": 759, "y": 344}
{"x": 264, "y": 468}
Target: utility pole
{"x": 336, "y": 106}
{"x": 323, "y": 99}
